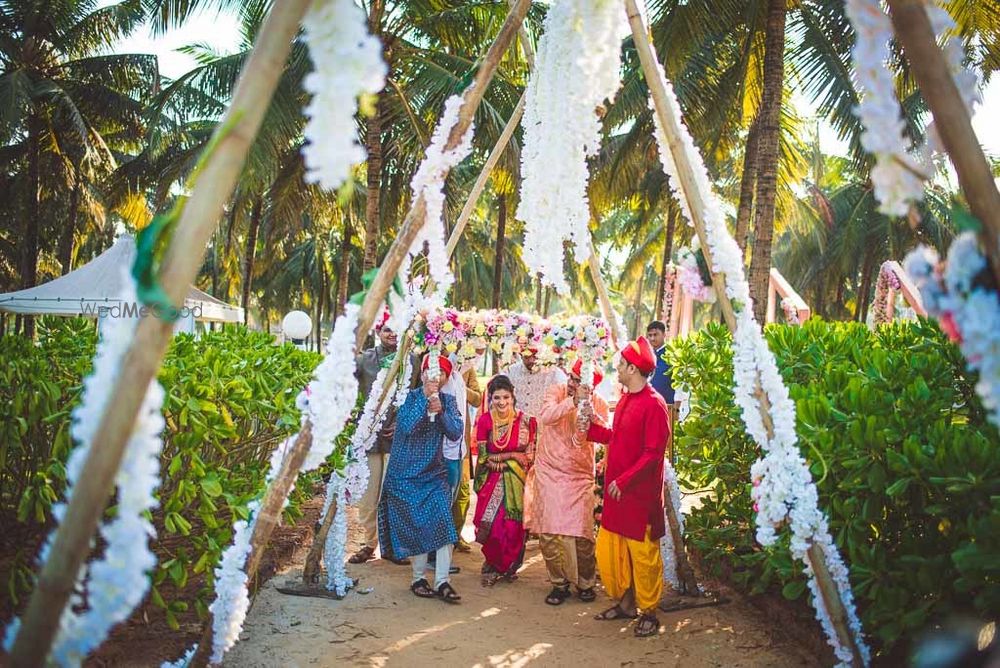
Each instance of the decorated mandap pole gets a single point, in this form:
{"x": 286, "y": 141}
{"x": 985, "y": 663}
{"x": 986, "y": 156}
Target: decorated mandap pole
{"x": 669, "y": 117}
{"x": 145, "y": 354}
{"x": 954, "y": 126}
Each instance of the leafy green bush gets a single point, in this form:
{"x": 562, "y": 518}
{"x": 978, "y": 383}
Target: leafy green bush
{"x": 907, "y": 468}
{"x": 230, "y": 400}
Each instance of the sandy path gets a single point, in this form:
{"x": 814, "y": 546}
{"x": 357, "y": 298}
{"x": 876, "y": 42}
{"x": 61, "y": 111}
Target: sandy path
{"x": 508, "y": 625}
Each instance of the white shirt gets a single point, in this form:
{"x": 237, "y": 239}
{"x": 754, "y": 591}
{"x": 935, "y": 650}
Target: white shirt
{"x": 455, "y": 386}
{"x": 530, "y": 386}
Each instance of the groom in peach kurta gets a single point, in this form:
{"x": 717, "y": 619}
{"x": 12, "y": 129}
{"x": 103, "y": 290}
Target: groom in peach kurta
{"x": 559, "y": 492}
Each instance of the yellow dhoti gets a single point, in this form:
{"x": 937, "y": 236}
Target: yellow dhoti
{"x": 625, "y": 563}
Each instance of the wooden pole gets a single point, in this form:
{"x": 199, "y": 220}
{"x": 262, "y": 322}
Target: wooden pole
{"x": 618, "y": 337}
{"x": 951, "y": 120}
{"x": 669, "y": 117}
{"x": 180, "y": 265}
{"x": 415, "y": 218}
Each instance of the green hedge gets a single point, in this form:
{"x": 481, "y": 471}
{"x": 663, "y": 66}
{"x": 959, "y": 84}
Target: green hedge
{"x": 908, "y": 470}
{"x": 230, "y": 399}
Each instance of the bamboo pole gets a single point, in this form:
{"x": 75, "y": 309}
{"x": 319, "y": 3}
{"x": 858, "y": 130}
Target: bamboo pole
{"x": 618, "y": 338}
{"x": 180, "y": 265}
{"x": 951, "y": 120}
{"x": 669, "y": 117}
{"x": 415, "y": 218}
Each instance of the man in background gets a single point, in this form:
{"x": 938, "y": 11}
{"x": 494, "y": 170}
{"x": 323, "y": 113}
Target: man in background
{"x": 662, "y": 380}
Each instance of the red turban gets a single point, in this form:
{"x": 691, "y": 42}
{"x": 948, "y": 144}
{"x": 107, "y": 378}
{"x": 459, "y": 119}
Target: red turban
{"x": 380, "y": 322}
{"x": 641, "y": 354}
{"x": 578, "y": 371}
{"x": 443, "y": 362}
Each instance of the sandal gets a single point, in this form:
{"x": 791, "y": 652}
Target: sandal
{"x": 447, "y": 593}
{"x": 558, "y": 595}
{"x": 586, "y": 595}
{"x": 489, "y": 579}
{"x": 613, "y": 613}
{"x": 366, "y": 553}
{"x": 648, "y": 625}
{"x": 422, "y": 588}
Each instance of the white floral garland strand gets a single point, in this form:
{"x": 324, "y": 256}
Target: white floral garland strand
{"x": 784, "y": 490}
{"x": 667, "y": 542}
{"x": 334, "y": 556}
{"x": 900, "y": 170}
{"x": 118, "y": 581}
{"x": 577, "y": 69}
{"x": 347, "y": 63}
{"x": 972, "y": 314}
{"x": 429, "y": 183}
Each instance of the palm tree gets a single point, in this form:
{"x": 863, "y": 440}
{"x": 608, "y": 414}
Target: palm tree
{"x": 67, "y": 107}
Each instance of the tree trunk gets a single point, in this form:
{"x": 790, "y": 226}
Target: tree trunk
{"x": 498, "y": 253}
{"x": 373, "y": 140}
{"x": 538, "y": 293}
{"x": 32, "y": 214}
{"x": 69, "y": 230}
{"x": 864, "y": 290}
{"x": 251, "y": 252}
{"x": 767, "y": 152}
{"x": 547, "y": 302}
{"x": 344, "y": 266}
{"x": 748, "y": 183}
{"x": 637, "y": 305}
{"x": 668, "y": 249}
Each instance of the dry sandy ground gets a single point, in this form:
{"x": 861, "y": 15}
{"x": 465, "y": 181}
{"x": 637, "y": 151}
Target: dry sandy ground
{"x": 508, "y": 626}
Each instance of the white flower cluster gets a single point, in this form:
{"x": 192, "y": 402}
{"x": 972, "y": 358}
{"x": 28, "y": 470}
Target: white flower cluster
{"x": 369, "y": 423}
{"x": 966, "y": 80}
{"x": 336, "y": 539}
{"x": 667, "y": 542}
{"x": 428, "y": 183}
{"x": 347, "y": 63}
{"x": 118, "y": 581}
{"x": 898, "y": 175}
{"x": 333, "y": 390}
{"x": 968, "y": 313}
{"x": 784, "y": 490}
{"x": 577, "y": 69}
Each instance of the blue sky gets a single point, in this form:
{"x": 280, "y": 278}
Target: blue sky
{"x": 221, "y": 32}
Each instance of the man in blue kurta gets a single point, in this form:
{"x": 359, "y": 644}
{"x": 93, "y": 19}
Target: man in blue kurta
{"x": 662, "y": 381}
{"x": 414, "y": 514}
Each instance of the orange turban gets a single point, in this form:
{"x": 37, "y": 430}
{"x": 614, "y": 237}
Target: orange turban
{"x": 443, "y": 362}
{"x": 640, "y": 353}
{"x": 578, "y": 370}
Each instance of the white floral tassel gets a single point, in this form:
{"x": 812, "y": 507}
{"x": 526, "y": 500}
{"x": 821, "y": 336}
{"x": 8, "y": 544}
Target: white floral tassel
{"x": 333, "y": 552}
{"x": 578, "y": 67}
{"x": 348, "y": 64}
{"x": 434, "y": 373}
{"x": 117, "y": 582}
{"x": 429, "y": 183}
{"x": 667, "y": 542}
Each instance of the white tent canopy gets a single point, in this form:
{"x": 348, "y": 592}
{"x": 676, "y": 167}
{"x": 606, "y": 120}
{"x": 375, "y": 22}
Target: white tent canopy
{"x": 98, "y": 285}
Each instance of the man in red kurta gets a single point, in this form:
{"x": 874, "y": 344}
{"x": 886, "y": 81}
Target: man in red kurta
{"x": 628, "y": 543}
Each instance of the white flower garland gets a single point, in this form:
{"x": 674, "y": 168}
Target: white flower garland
{"x": 968, "y": 314}
{"x": 117, "y": 582}
{"x": 336, "y": 539}
{"x": 429, "y": 183}
{"x": 347, "y": 63}
{"x": 784, "y": 490}
{"x": 667, "y": 542}
{"x": 577, "y": 69}
{"x": 900, "y": 169}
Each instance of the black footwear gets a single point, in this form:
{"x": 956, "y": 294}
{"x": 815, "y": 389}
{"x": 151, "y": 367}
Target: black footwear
{"x": 558, "y": 595}
{"x": 447, "y": 594}
{"x": 361, "y": 556}
{"x": 613, "y": 613}
{"x": 586, "y": 595}
{"x": 422, "y": 588}
{"x": 648, "y": 625}
{"x": 398, "y": 562}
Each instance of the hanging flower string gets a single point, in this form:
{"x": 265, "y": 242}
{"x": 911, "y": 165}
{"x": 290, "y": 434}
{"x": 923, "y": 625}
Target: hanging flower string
{"x": 334, "y": 557}
{"x": 428, "y": 182}
{"x": 783, "y": 487}
{"x": 886, "y": 279}
{"x": 117, "y": 582}
{"x": 577, "y": 69}
{"x": 961, "y": 295}
{"x": 347, "y": 64}
{"x": 667, "y": 542}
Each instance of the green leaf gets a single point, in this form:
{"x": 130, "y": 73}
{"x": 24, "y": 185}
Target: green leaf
{"x": 793, "y": 589}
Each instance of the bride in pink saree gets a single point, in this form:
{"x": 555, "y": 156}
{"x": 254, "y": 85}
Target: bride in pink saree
{"x": 506, "y": 439}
